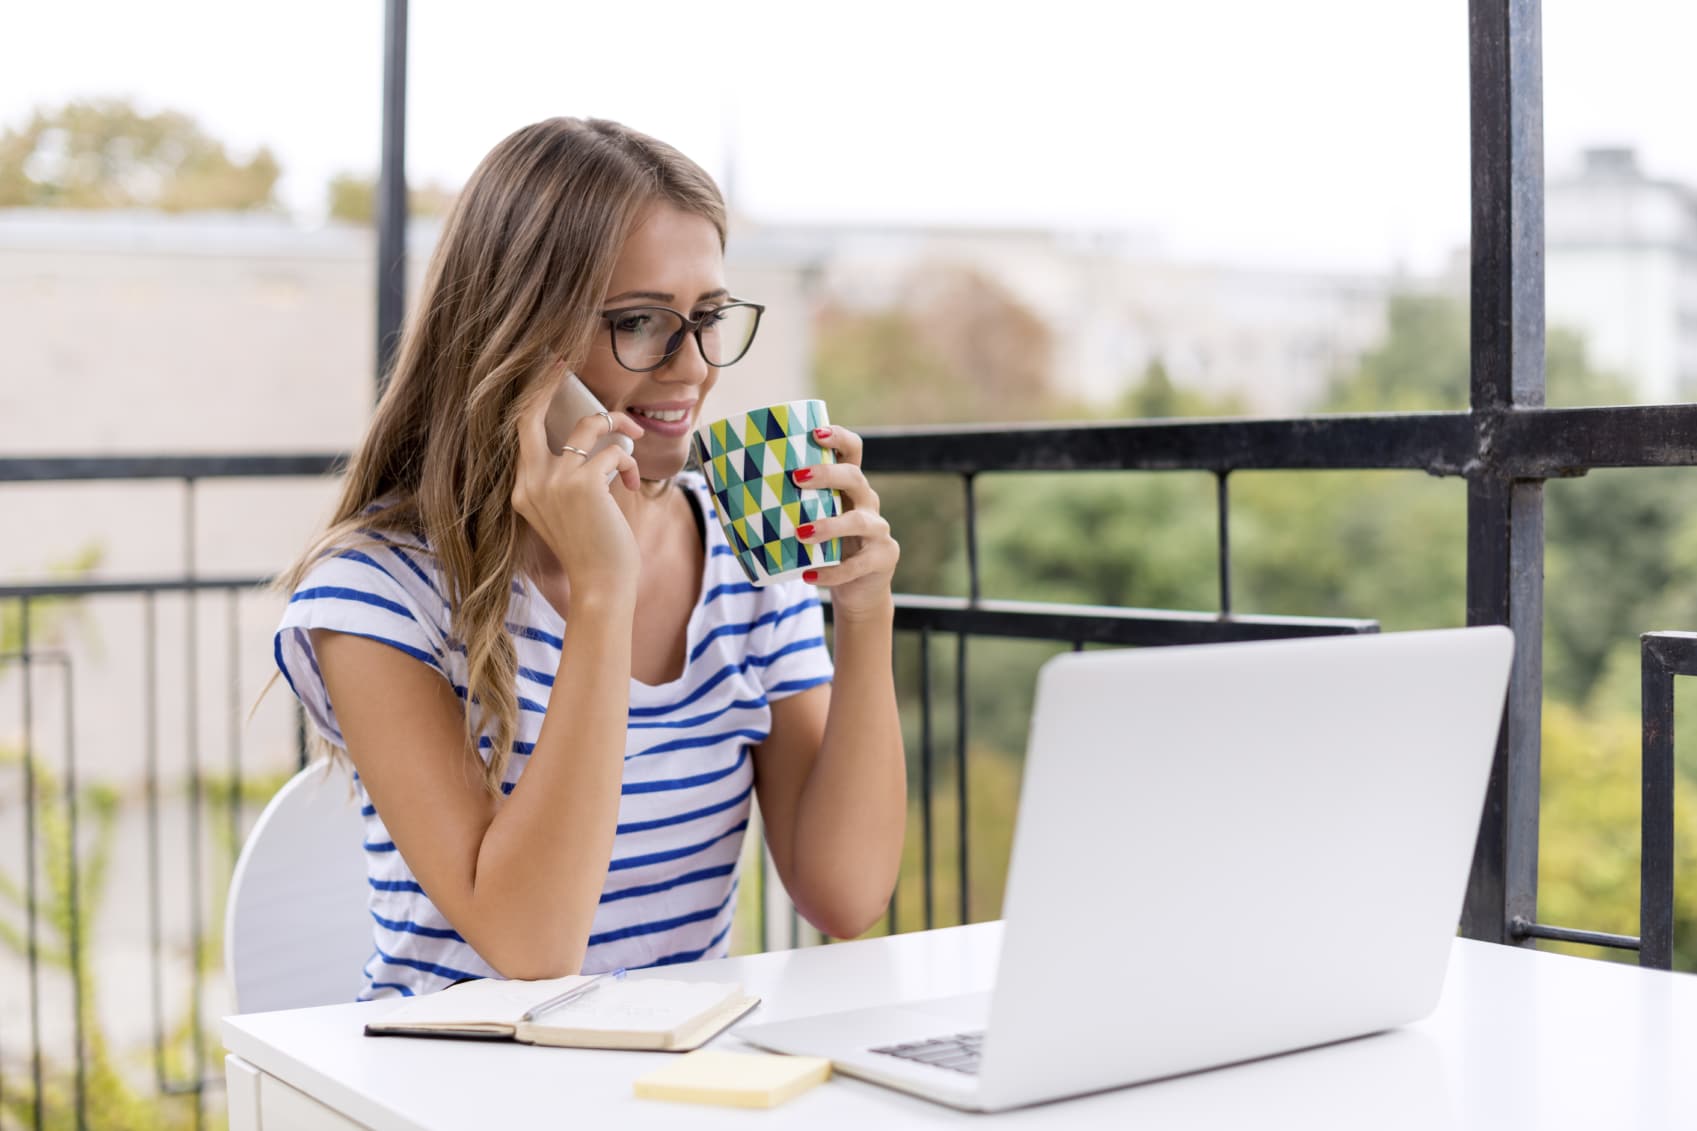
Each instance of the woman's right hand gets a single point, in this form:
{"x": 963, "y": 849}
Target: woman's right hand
{"x": 568, "y": 502}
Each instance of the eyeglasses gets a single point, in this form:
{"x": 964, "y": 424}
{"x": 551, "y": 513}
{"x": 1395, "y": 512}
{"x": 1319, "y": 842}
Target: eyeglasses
{"x": 646, "y": 337}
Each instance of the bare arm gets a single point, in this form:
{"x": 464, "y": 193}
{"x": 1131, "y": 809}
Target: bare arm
{"x": 832, "y": 775}
{"x": 519, "y": 877}
{"x": 832, "y": 782}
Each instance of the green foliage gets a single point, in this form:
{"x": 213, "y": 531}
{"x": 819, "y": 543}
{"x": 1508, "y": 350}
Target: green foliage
{"x": 1155, "y": 397}
{"x": 68, "y": 904}
{"x": 1388, "y": 546}
{"x": 959, "y": 347}
{"x": 108, "y": 154}
{"x": 876, "y": 369}
{"x": 1588, "y": 844}
{"x": 1421, "y": 366}
{"x": 48, "y": 616}
{"x": 353, "y": 198}
{"x": 74, "y": 864}
{"x": 1385, "y": 546}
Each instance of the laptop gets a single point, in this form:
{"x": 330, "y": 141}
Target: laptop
{"x": 1223, "y": 852}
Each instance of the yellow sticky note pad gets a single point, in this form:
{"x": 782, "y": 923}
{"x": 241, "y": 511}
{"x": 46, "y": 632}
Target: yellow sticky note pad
{"x": 734, "y": 1079}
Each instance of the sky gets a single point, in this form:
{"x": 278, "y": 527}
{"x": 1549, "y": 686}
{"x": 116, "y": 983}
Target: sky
{"x": 1324, "y": 134}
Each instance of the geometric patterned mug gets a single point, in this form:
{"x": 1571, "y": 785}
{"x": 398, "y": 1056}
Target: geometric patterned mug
{"x": 748, "y": 459}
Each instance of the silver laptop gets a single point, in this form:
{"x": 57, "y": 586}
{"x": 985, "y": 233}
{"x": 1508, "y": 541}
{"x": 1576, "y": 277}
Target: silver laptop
{"x": 1223, "y": 852}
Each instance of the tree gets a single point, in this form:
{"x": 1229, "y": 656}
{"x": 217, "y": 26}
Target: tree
{"x": 108, "y": 154}
{"x": 353, "y": 198}
{"x": 1421, "y": 366}
{"x": 957, "y": 347}
{"x": 1386, "y": 545}
{"x": 998, "y": 348}
{"x": 1156, "y": 397}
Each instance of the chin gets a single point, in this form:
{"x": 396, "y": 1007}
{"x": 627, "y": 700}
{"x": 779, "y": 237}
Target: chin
{"x": 671, "y": 458}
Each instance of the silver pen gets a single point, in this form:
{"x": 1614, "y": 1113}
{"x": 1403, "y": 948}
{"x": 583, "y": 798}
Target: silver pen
{"x": 571, "y": 995}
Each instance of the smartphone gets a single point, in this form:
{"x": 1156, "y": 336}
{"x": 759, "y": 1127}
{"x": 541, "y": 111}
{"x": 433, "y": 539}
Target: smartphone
{"x": 572, "y": 402}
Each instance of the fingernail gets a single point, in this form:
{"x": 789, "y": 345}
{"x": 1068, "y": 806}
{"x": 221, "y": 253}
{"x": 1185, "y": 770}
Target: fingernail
{"x": 803, "y": 474}
{"x": 810, "y": 576}
{"x": 804, "y": 531}
{"x": 822, "y": 433}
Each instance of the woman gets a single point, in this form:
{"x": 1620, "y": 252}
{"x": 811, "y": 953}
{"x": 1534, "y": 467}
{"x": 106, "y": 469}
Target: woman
{"x": 556, "y": 688}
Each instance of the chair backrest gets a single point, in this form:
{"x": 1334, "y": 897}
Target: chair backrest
{"x": 296, "y": 929}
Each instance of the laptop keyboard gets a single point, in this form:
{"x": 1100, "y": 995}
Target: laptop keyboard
{"x": 959, "y": 1053}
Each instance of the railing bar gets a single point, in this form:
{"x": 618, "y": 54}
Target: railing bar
{"x": 392, "y": 191}
{"x": 234, "y": 661}
{"x": 1222, "y": 495}
{"x": 2, "y": 1065}
{"x": 74, "y": 893}
{"x": 760, "y": 904}
{"x": 52, "y": 469}
{"x": 1656, "y": 829}
{"x": 1535, "y": 443}
{"x": 131, "y": 587}
{"x": 972, "y": 580}
{"x": 150, "y": 761}
{"x": 302, "y": 748}
{"x": 1522, "y": 929}
{"x": 960, "y": 772}
{"x": 926, "y": 849}
{"x": 31, "y": 905}
{"x": 191, "y": 741}
{"x": 1099, "y": 624}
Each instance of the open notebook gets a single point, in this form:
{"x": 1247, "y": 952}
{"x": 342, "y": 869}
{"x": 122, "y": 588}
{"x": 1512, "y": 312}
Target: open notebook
{"x": 630, "y": 1013}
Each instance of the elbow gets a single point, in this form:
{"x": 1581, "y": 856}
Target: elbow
{"x": 841, "y": 926}
{"x": 534, "y": 963}
{"x": 846, "y": 917}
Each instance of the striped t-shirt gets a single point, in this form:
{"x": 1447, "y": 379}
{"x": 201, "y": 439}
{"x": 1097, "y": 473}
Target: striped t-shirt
{"x": 670, "y": 889}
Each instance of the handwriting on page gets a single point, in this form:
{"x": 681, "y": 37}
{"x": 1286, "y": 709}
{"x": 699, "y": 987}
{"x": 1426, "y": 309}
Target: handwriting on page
{"x": 639, "y": 1005}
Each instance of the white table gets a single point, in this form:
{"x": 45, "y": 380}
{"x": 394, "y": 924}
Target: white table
{"x": 1520, "y": 1039}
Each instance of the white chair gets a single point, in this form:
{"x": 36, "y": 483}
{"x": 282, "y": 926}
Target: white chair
{"x": 297, "y": 930}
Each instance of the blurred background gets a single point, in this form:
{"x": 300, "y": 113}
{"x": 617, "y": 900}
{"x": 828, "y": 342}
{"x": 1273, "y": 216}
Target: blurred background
{"x": 955, "y": 213}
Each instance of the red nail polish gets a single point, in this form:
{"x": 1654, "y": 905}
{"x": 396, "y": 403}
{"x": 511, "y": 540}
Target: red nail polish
{"x": 822, "y": 433}
{"x": 810, "y": 576}
{"x": 803, "y": 475}
{"x": 805, "y": 530}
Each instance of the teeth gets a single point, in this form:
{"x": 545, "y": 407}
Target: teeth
{"x": 669, "y": 417}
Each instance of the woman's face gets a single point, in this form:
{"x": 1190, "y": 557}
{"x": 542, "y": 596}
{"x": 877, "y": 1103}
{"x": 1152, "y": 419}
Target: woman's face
{"x": 672, "y": 259}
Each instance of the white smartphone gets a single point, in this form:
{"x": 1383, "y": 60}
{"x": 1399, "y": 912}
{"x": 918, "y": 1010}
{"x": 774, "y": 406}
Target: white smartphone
{"x": 572, "y": 402}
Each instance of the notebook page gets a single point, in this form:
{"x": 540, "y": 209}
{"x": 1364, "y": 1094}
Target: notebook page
{"x": 639, "y": 1005}
{"x": 487, "y": 999}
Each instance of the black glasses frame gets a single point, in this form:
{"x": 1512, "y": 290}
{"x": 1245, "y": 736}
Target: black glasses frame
{"x": 692, "y": 327}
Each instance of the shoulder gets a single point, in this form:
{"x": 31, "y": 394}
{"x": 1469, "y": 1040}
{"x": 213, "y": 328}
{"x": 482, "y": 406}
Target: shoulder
{"x": 378, "y": 561}
{"x": 372, "y": 581}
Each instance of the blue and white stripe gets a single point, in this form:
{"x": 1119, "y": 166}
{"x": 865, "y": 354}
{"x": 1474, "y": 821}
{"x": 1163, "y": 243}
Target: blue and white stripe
{"x": 671, "y": 883}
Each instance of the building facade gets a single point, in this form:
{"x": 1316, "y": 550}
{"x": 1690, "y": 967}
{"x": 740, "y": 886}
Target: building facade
{"x": 1621, "y": 268}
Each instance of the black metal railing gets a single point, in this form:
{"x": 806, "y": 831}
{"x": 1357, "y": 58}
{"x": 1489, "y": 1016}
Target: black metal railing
{"x": 1504, "y": 447}
{"x": 64, "y": 863}
{"x": 924, "y": 617}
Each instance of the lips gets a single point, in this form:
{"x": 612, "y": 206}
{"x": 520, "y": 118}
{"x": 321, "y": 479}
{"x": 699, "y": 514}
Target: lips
{"x": 670, "y": 419}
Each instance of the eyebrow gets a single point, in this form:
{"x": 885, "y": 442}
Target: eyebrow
{"x": 662, "y": 296}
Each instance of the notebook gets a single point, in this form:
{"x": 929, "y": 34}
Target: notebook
{"x": 734, "y": 1079}
{"x": 630, "y": 1013}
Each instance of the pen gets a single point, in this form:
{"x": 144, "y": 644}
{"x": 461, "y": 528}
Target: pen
{"x": 570, "y": 995}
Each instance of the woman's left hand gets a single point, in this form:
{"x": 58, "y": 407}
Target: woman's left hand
{"x": 860, "y": 583}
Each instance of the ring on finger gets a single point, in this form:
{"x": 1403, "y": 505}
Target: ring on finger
{"x": 608, "y": 417}
{"x": 564, "y": 448}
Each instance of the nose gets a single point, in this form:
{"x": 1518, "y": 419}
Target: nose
{"x": 687, "y": 365}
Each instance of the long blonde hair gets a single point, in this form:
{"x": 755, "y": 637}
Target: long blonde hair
{"x": 515, "y": 284}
